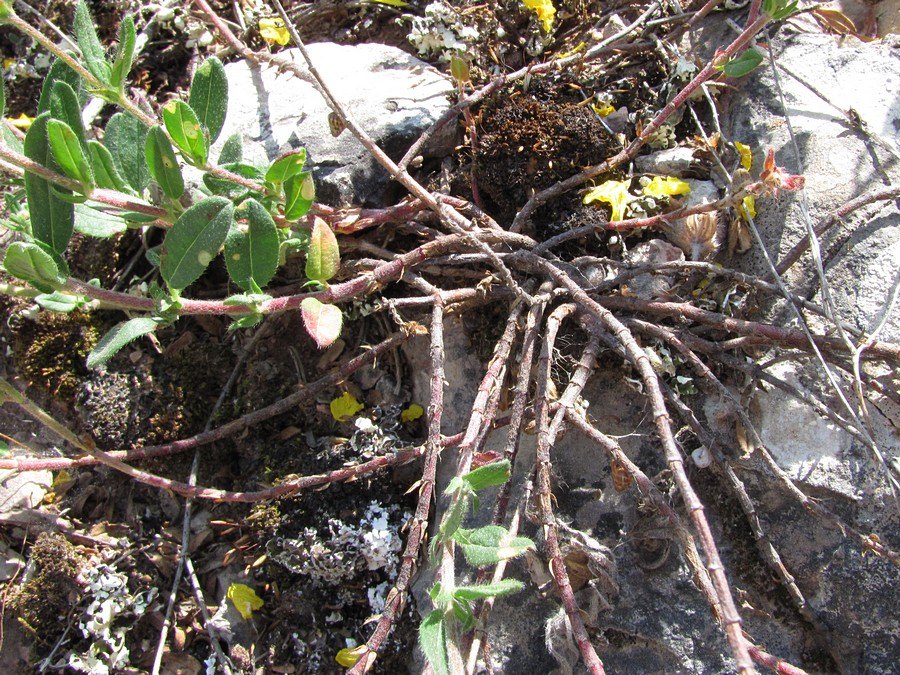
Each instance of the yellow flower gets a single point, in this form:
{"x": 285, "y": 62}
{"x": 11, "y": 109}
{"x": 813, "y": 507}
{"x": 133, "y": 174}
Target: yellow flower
{"x": 545, "y": 11}
{"x": 274, "y": 31}
{"x": 348, "y": 656}
{"x": 344, "y": 407}
{"x": 603, "y": 108}
{"x": 244, "y": 599}
{"x": 8, "y": 63}
{"x": 412, "y": 413}
{"x": 613, "y": 192}
{"x": 22, "y": 122}
{"x": 745, "y": 153}
{"x": 666, "y": 185}
{"x": 748, "y": 207}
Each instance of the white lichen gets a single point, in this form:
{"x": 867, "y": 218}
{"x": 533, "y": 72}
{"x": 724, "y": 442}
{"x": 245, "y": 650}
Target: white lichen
{"x": 439, "y": 33}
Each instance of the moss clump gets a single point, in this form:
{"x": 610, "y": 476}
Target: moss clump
{"x": 51, "y": 350}
{"x": 42, "y": 603}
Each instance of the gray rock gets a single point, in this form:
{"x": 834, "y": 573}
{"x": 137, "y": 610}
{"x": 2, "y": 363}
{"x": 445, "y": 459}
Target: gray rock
{"x": 673, "y": 162}
{"x": 392, "y": 95}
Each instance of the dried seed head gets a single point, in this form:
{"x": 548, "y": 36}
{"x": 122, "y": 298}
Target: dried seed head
{"x": 699, "y": 235}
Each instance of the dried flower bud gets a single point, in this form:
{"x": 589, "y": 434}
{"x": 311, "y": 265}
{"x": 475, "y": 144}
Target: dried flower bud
{"x": 777, "y": 178}
{"x": 699, "y": 235}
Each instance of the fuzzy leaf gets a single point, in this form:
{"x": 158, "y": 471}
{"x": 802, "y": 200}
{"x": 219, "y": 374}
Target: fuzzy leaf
{"x": 68, "y": 153}
{"x": 106, "y": 175}
{"x": 96, "y": 223}
{"x": 32, "y": 263}
{"x": 89, "y": 44}
{"x": 433, "y": 640}
{"x": 743, "y": 64}
{"x": 613, "y": 192}
{"x": 163, "y": 164}
{"x": 252, "y": 254}
{"x": 209, "y": 96}
{"x": 194, "y": 240}
{"x": 60, "y": 72}
{"x": 322, "y": 322}
{"x": 482, "y": 591}
{"x": 244, "y": 599}
{"x": 230, "y": 189}
{"x": 59, "y": 302}
{"x": 51, "y": 217}
{"x": 187, "y": 134}
{"x": 666, "y": 186}
{"x": 232, "y": 150}
{"x": 490, "y": 544}
{"x": 344, "y": 407}
{"x": 119, "y": 336}
{"x": 323, "y": 258}
{"x": 124, "y": 53}
{"x": 299, "y": 193}
{"x": 125, "y": 138}
{"x": 64, "y": 106}
{"x": 496, "y": 473}
{"x": 286, "y": 166}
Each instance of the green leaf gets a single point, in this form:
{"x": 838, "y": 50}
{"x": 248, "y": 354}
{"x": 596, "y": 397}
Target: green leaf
{"x": 299, "y": 193}
{"x": 61, "y": 72}
{"x": 194, "y": 240}
{"x": 68, "y": 153}
{"x": 29, "y": 262}
{"x": 209, "y": 96}
{"x": 323, "y": 258}
{"x": 286, "y": 166}
{"x": 119, "y": 336}
{"x": 64, "y": 106}
{"x": 433, "y": 639}
{"x": 462, "y": 610}
{"x": 60, "y": 302}
{"x": 490, "y": 544}
{"x": 89, "y": 44}
{"x": 125, "y": 138}
{"x": 488, "y": 475}
{"x": 124, "y": 53}
{"x": 252, "y": 254}
{"x": 51, "y": 217}
{"x": 186, "y": 132}
{"x": 482, "y": 591}
{"x": 779, "y": 9}
{"x": 453, "y": 518}
{"x": 96, "y": 223}
{"x": 230, "y": 189}
{"x": 232, "y": 150}
{"x": 322, "y": 322}
{"x": 743, "y": 64}
{"x": 163, "y": 164}
{"x": 106, "y": 174}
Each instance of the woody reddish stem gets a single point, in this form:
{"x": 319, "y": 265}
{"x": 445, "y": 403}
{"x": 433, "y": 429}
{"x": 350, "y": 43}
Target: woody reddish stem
{"x": 544, "y": 493}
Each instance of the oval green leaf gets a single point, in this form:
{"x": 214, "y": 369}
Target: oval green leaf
{"x": 29, "y": 262}
{"x": 124, "y": 53}
{"x": 228, "y": 188}
{"x": 743, "y": 64}
{"x": 186, "y": 132}
{"x": 89, "y": 44}
{"x": 209, "y": 96}
{"x": 126, "y": 138}
{"x": 286, "y": 166}
{"x": 68, "y": 153}
{"x": 322, "y": 322}
{"x": 51, "y": 217}
{"x": 299, "y": 193}
{"x": 60, "y": 72}
{"x": 194, "y": 240}
{"x": 323, "y": 258}
{"x": 106, "y": 175}
{"x": 64, "y": 106}
{"x": 232, "y": 150}
{"x": 163, "y": 164}
{"x": 96, "y": 223}
{"x": 433, "y": 640}
{"x": 119, "y": 336}
{"x": 252, "y": 254}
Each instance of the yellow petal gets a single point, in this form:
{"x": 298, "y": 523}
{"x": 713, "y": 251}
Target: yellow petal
{"x": 22, "y": 122}
{"x": 604, "y": 109}
{"x": 545, "y": 11}
{"x": 273, "y": 31}
{"x": 748, "y": 207}
{"x": 348, "y": 656}
{"x": 390, "y": 3}
{"x": 745, "y": 153}
{"x": 666, "y": 185}
{"x": 613, "y": 192}
{"x": 8, "y": 63}
{"x": 412, "y": 413}
{"x": 344, "y": 407}
{"x": 244, "y": 599}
